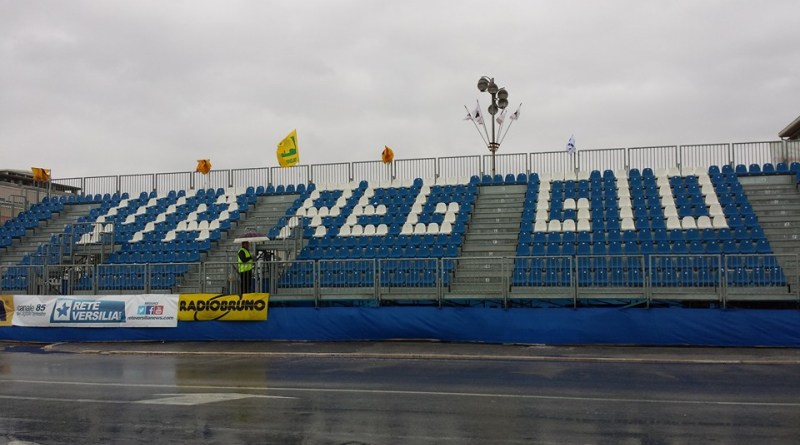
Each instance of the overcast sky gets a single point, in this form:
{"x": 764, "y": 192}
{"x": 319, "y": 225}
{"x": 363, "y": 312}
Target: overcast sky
{"x": 105, "y": 87}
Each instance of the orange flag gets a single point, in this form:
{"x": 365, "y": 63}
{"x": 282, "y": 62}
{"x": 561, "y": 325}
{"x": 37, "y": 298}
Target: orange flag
{"x": 388, "y": 155}
{"x": 203, "y": 166}
{"x": 40, "y": 174}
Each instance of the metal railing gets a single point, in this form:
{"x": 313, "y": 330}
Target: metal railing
{"x": 657, "y": 157}
{"x": 717, "y": 279}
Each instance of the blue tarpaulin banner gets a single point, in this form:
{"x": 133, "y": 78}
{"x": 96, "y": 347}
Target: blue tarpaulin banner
{"x": 557, "y": 326}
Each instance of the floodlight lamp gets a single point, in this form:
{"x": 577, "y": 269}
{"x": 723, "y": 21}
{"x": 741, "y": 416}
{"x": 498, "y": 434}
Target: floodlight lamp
{"x": 483, "y": 83}
{"x": 502, "y": 103}
{"x": 492, "y": 88}
{"x": 492, "y": 109}
{"x": 502, "y": 94}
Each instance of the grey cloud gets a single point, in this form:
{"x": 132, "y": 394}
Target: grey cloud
{"x": 108, "y": 87}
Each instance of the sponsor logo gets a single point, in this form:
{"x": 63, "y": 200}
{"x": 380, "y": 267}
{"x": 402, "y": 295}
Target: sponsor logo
{"x": 31, "y": 310}
{"x": 88, "y": 311}
{"x": 150, "y": 309}
{"x": 219, "y": 307}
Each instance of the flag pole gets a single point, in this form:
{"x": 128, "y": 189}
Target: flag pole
{"x": 483, "y": 122}
{"x": 509, "y": 125}
{"x": 504, "y": 134}
{"x": 476, "y": 126}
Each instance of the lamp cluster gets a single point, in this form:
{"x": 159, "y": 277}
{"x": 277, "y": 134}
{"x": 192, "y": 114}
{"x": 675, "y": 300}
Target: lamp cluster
{"x": 499, "y": 95}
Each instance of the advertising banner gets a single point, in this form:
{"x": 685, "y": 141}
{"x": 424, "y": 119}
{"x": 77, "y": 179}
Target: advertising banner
{"x": 6, "y": 309}
{"x": 105, "y": 311}
{"x": 206, "y": 307}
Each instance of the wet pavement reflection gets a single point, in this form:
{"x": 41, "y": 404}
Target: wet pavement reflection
{"x": 394, "y": 394}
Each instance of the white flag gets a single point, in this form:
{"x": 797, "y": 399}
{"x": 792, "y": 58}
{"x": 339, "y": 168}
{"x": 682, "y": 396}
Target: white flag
{"x": 501, "y": 117}
{"x": 477, "y": 116}
{"x": 571, "y": 148}
{"x": 515, "y": 115}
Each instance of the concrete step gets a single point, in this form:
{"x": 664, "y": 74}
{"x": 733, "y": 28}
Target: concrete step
{"x": 499, "y": 208}
{"x": 504, "y": 206}
{"x": 775, "y": 204}
{"x": 766, "y": 180}
{"x": 784, "y": 210}
{"x": 776, "y": 235}
{"x": 500, "y": 189}
{"x": 778, "y": 224}
{"x": 777, "y": 219}
{"x": 507, "y": 247}
{"x": 763, "y": 187}
{"x": 464, "y": 281}
{"x": 478, "y": 269}
{"x": 492, "y": 237}
{"x": 500, "y": 198}
{"x": 476, "y": 252}
{"x": 501, "y": 228}
{"x": 759, "y": 192}
{"x": 505, "y": 223}
{"x": 494, "y": 218}
{"x": 778, "y": 250}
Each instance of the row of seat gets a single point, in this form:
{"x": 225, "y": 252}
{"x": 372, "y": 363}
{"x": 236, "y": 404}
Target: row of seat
{"x": 739, "y": 234}
{"x": 635, "y": 277}
{"x": 645, "y": 248}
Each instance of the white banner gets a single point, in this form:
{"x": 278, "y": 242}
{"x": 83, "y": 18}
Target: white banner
{"x": 101, "y": 311}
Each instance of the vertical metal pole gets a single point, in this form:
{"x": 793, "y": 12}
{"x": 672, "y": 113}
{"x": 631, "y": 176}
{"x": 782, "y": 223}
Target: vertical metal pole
{"x": 723, "y": 279}
{"x": 376, "y": 280}
{"x": 493, "y": 147}
{"x": 504, "y": 281}
{"x": 317, "y": 277}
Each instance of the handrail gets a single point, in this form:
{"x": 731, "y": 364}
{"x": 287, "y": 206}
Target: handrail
{"x": 669, "y": 156}
{"x": 711, "y": 278}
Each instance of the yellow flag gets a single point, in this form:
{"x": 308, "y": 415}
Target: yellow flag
{"x": 288, "y": 151}
{"x": 40, "y": 174}
{"x": 203, "y": 166}
{"x": 388, "y": 155}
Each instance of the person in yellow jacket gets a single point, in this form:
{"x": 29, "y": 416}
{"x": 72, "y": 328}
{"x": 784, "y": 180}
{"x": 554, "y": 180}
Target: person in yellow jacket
{"x": 245, "y": 262}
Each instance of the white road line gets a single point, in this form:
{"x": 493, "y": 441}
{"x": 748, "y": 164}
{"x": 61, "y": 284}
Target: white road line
{"x": 430, "y": 356}
{"x": 178, "y": 399}
{"x": 202, "y": 398}
{"x": 404, "y": 392}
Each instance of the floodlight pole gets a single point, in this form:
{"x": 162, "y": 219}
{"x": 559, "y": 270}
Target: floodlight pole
{"x": 499, "y": 102}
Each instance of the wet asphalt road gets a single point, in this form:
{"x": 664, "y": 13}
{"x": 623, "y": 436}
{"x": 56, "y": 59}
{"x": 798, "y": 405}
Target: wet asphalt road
{"x": 395, "y": 393}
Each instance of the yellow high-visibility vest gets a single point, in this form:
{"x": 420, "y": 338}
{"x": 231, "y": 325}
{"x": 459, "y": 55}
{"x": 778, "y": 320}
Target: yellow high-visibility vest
{"x": 246, "y": 265}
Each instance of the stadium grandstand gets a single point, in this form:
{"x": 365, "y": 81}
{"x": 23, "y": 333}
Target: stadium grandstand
{"x": 702, "y": 228}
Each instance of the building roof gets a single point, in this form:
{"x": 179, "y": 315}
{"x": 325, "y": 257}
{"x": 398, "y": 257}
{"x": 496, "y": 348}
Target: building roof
{"x": 792, "y": 131}
{"x": 25, "y": 178}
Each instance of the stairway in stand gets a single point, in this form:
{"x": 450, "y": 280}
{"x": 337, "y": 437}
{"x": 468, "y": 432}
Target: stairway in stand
{"x": 220, "y": 262}
{"x": 490, "y": 243}
{"x": 776, "y": 203}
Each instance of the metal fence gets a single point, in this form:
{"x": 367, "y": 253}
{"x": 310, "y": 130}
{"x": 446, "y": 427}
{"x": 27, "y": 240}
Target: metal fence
{"x": 717, "y": 279}
{"x": 331, "y": 173}
{"x": 512, "y": 163}
{"x": 657, "y": 157}
{"x": 408, "y": 169}
{"x": 603, "y": 159}
{"x": 653, "y": 157}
